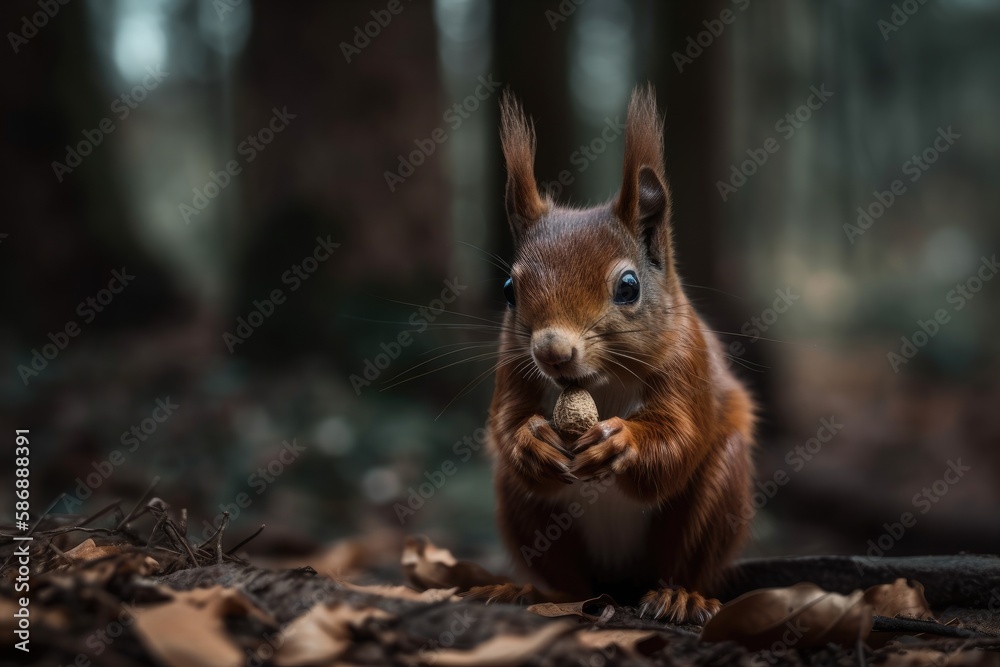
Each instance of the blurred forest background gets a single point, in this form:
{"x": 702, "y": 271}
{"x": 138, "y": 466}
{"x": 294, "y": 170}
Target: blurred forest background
{"x": 245, "y": 134}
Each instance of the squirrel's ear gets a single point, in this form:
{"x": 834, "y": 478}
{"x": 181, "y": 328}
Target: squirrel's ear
{"x": 643, "y": 203}
{"x": 524, "y": 204}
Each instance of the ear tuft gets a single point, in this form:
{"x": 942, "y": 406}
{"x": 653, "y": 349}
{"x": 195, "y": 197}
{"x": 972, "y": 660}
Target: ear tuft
{"x": 643, "y": 203}
{"x": 517, "y": 136}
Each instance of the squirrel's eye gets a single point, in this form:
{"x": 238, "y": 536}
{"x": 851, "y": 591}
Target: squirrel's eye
{"x": 508, "y": 290}
{"x": 628, "y": 289}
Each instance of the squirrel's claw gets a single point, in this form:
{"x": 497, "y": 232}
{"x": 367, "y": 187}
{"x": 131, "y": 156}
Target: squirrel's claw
{"x": 677, "y": 605}
{"x": 605, "y": 455}
{"x": 598, "y": 433}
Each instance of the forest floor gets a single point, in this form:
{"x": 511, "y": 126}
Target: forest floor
{"x": 129, "y": 588}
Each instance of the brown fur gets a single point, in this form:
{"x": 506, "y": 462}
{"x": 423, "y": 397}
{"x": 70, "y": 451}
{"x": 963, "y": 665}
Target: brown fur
{"x": 676, "y": 434}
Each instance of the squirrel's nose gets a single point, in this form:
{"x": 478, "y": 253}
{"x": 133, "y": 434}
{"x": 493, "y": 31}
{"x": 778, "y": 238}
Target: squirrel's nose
{"x": 553, "y": 348}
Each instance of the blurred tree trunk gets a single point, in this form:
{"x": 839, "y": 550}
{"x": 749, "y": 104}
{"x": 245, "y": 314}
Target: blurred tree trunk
{"x": 532, "y": 60}
{"x": 697, "y": 111}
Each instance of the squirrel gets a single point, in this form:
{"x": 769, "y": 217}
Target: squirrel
{"x": 642, "y": 503}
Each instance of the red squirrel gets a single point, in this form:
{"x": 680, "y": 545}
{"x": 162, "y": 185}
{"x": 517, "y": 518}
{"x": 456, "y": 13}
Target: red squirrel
{"x": 637, "y": 506}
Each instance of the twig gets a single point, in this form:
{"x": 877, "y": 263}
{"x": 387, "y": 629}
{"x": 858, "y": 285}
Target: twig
{"x": 94, "y": 517}
{"x": 247, "y": 540}
{"x": 46, "y": 512}
{"x": 913, "y": 626}
{"x": 140, "y": 503}
{"x": 156, "y": 527}
{"x": 218, "y": 540}
{"x": 59, "y": 552}
{"x": 177, "y": 537}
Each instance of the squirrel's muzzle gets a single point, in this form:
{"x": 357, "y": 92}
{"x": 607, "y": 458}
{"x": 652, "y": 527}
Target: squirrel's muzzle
{"x": 554, "y": 350}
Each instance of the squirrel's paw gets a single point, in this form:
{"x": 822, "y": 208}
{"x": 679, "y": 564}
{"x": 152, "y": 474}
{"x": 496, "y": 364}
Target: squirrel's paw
{"x": 677, "y": 605}
{"x": 539, "y": 454}
{"x": 606, "y": 447}
{"x": 504, "y": 593}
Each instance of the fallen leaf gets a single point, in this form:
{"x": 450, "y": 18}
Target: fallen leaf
{"x": 189, "y": 630}
{"x": 499, "y": 651}
{"x": 374, "y": 549}
{"x": 799, "y": 616}
{"x": 557, "y": 609}
{"x": 322, "y": 635}
{"x": 927, "y": 656}
{"x": 405, "y": 592}
{"x": 100, "y": 564}
{"x": 635, "y": 643}
{"x": 8, "y": 622}
{"x": 429, "y": 566}
{"x": 88, "y": 550}
{"x": 899, "y": 599}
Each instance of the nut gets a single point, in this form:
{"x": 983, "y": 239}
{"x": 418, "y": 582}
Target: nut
{"x": 575, "y": 412}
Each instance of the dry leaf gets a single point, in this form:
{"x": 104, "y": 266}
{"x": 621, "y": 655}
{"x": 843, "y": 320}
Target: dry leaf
{"x": 900, "y": 599}
{"x": 405, "y": 592}
{"x": 557, "y": 609}
{"x": 322, "y": 634}
{"x": 635, "y": 643}
{"x": 88, "y": 550}
{"x": 98, "y": 573}
{"x": 799, "y": 616}
{"x": 428, "y": 566}
{"x": 8, "y": 622}
{"x": 374, "y": 549}
{"x": 189, "y": 630}
{"x": 499, "y": 651}
{"x": 927, "y": 656}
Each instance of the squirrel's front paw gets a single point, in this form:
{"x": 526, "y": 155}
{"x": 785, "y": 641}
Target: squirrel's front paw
{"x": 606, "y": 447}
{"x": 539, "y": 455}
